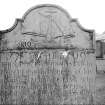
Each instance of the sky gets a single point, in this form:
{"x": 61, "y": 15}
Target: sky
{"x": 90, "y": 13}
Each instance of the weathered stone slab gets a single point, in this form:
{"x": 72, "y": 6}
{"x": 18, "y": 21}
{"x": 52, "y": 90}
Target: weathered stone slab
{"x": 47, "y": 58}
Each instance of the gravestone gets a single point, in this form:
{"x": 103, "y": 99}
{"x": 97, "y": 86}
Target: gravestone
{"x": 47, "y": 58}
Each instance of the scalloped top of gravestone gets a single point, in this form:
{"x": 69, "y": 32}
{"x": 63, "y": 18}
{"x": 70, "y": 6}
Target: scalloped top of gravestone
{"x": 50, "y": 26}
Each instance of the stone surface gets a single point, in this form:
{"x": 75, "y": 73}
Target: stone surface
{"x": 100, "y": 65}
{"x": 65, "y": 80}
{"x": 100, "y": 89}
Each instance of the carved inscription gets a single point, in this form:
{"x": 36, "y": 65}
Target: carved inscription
{"x": 49, "y": 77}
